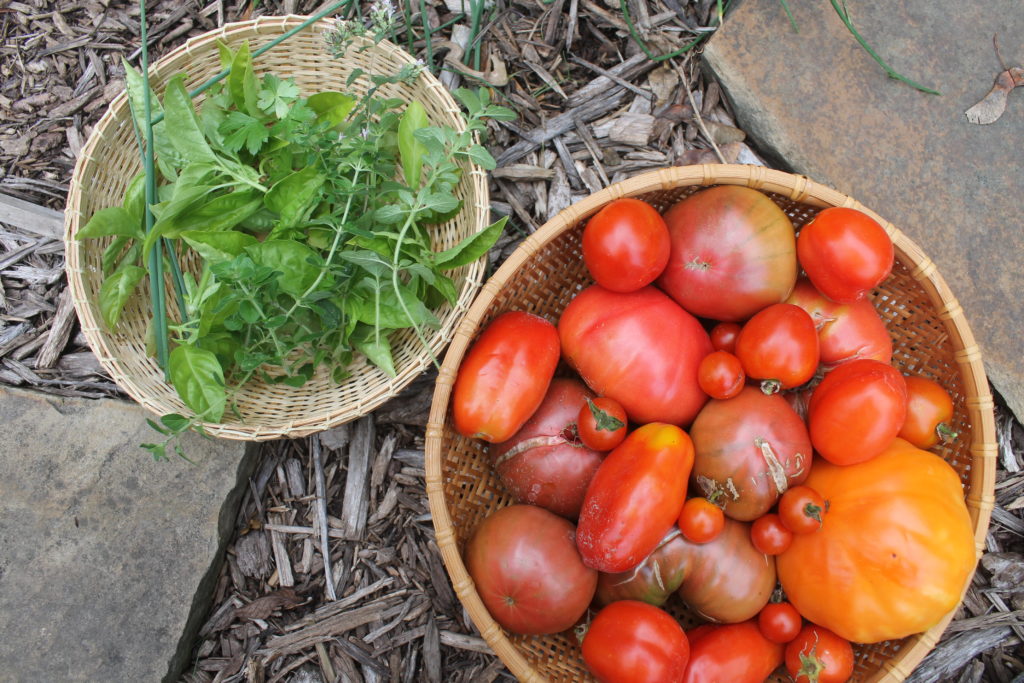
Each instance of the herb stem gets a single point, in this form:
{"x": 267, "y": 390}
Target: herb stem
{"x": 428, "y": 35}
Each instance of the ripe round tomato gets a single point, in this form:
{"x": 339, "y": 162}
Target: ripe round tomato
{"x": 769, "y": 535}
{"x": 630, "y": 641}
{"x": 929, "y": 410}
{"x": 640, "y": 349}
{"x": 845, "y": 253}
{"x": 720, "y": 374}
{"x": 857, "y": 411}
{"x": 737, "y": 653}
{"x": 504, "y": 376}
{"x": 635, "y": 497}
{"x": 779, "y": 622}
{"x": 801, "y": 509}
{"x": 733, "y": 253}
{"x": 723, "y": 336}
{"x": 701, "y": 520}
{"x": 601, "y": 423}
{"x": 779, "y": 345}
{"x": 626, "y": 245}
{"x": 544, "y": 463}
{"x": 525, "y": 565}
{"x": 817, "y": 655}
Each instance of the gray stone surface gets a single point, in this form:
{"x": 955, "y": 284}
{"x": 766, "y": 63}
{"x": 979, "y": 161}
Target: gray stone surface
{"x": 822, "y": 107}
{"x": 104, "y": 552}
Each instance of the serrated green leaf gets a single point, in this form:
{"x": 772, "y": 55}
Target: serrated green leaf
{"x": 198, "y": 377}
{"x": 479, "y": 155}
{"x": 241, "y": 130}
{"x": 116, "y": 290}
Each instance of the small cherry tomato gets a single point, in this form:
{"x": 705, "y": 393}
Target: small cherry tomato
{"x": 845, "y": 253}
{"x": 801, "y": 509}
{"x": 779, "y": 622}
{"x": 818, "y": 655}
{"x": 779, "y": 345}
{"x": 720, "y": 374}
{"x": 769, "y": 535}
{"x": 626, "y": 245}
{"x": 631, "y": 641}
{"x": 602, "y": 423}
{"x": 929, "y": 410}
{"x": 701, "y": 520}
{"x": 723, "y": 336}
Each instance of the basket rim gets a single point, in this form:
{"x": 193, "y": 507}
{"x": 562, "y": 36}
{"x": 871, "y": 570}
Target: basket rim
{"x": 979, "y": 402}
{"x": 476, "y": 215}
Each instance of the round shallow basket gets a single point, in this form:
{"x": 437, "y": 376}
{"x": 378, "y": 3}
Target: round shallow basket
{"x": 110, "y": 159}
{"x": 930, "y": 338}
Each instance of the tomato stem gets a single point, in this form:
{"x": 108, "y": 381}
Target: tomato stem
{"x": 946, "y": 433}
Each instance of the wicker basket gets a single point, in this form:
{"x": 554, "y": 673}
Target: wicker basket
{"x": 930, "y": 337}
{"x": 109, "y": 161}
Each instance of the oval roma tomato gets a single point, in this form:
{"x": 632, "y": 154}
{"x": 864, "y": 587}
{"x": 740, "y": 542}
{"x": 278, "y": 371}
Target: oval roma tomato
{"x": 701, "y": 520}
{"x": 845, "y": 331}
{"x": 626, "y": 245}
{"x": 769, "y": 535}
{"x": 845, "y": 253}
{"x": 504, "y": 376}
{"x": 929, "y": 411}
{"x": 780, "y": 622}
{"x": 640, "y": 349}
{"x": 856, "y": 411}
{"x": 601, "y": 423}
{"x": 802, "y": 509}
{"x": 737, "y": 653}
{"x": 893, "y": 553}
{"x": 526, "y": 568}
{"x": 733, "y": 253}
{"x": 723, "y": 336}
{"x": 780, "y": 346}
{"x": 720, "y": 374}
{"x": 630, "y": 641}
{"x": 544, "y": 463}
{"x": 817, "y": 655}
{"x": 635, "y": 497}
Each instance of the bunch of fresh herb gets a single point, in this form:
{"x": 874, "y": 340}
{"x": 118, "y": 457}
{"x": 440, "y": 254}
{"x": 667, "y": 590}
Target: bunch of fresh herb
{"x": 309, "y": 217}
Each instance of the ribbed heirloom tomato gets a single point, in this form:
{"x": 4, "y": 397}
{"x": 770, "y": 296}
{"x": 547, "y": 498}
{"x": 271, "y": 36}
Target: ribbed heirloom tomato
{"x": 625, "y": 245}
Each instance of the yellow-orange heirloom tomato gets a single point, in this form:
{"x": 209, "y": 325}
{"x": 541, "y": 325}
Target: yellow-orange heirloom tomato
{"x": 894, "y": 552}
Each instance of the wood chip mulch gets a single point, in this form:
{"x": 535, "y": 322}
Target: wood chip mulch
{"x": 593, "y": 109}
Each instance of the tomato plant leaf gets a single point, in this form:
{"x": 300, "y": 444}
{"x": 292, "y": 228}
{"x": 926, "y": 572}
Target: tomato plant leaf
{"x": 198, "y": 378}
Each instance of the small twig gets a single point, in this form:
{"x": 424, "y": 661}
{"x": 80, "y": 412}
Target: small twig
{"x": 696, "y": 113}
{"x": 321, "y": 513}
{"x": 618, "y": 79}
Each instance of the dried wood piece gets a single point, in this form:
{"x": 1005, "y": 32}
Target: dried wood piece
{"x": 620, "y": 74}
{"x": 354, "y": 507}
{"x": 559, "y": 194}
{"x": 329, "y": 628}
{"x": 321, "y": 515}
{"x": 432, "y": 653}
{"x": 575, "y": 181}
{"x": 632, "y": 129}
{"x": 953, "y": 653}
{"x": 464, "y": 642}
{"x": 523, "y": 172}
{"x": 281, "y": 560}
{"x": 60, "y": 332}
{"x": 263, "y": 606}
{"x": 30, "y": 217}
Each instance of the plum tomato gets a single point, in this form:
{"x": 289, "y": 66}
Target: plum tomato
{"x": 737, "y": 653}
{"x": 504, "y": 376}
{"x": 720, "y": 374}
{"x": 779, "y": 622}
{"x": 780, "y": 346}
{"x": 630, "y": 641}
{"x": 601, "y": 423}
{"x": 723, "y": 336}
{"x": 818, "y": 655}
{"x": 929, "y": 411}
{"x": 701, "y": 520}
{"x": 626, "y": 245}
{"x": 769, "y": 535}
{"x": 802, "y": 509}
{"x": 845, "y": 253}
{"x": 528, "y": 572}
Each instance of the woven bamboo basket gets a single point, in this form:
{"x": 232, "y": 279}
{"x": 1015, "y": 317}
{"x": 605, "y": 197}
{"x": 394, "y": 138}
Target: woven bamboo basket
{"x": 111, "y": 158}
{"x": 930, "y": 337}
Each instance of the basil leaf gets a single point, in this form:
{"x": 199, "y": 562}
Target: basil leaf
{"x": 242, "y": 81}
{"x": 220, "y": 213}
{"x": 331, "y": 106}
{"x": 294, "y": 195}
{"x": 218, "y": 245}
{"x": 198, "y": 378}
{"x": 135, "y": 198}
{"x": 297, "y": 264}
{"x": 471, "y": 248}
{"x": 116, "y": 290}
{"x": 183, "y": 126}
{"x": 410, "y": 149}
{"x": 376, "y": 348}
{"x": 112, "y": 254}
{"x": 111, "y": 221}
{"x": 167, "y": 156}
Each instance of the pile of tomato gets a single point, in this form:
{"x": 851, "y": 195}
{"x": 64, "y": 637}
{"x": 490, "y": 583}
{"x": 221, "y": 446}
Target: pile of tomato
{"x": 732, "y": 435}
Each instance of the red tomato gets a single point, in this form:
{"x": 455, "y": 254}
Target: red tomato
{"x": 845, "y": 253}
{"x": 723, "y": 336}
{"x": 737, "y": 653}
{"x": 504, "y": 376}
{"x": 802, "y": 509}
{"x": 857, "y": 411}
{"x": 769, "y": 535}
{"x": 601, "y": 423}
{"x": 819, "y": 656}
{"x": 640, "y": 349}
{"x": 929, "y": 411}
{"x": 845, "y": 331}
{"x": 701, "y": 520}
{"x": 524, "y": 562}
{"x": 733, "y": 253}
{"x": 779, "y": 345}
{"x": 626, "y": 245}
{"x": 635, "y": 497}
{"x": 720, "y": 374}
{"x": 630, "y": 641}
{"x": 779, "y": 622}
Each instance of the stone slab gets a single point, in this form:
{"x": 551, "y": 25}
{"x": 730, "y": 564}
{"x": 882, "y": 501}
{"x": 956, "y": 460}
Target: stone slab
{"x": 105, "y": 553}
{"x": 817, "y": 103}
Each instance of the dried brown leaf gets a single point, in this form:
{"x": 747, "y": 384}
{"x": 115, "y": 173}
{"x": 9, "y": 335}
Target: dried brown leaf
{"x": 992, "y": 106}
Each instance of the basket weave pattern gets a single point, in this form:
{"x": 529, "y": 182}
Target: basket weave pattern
{"x": 930, "y": 338}
{"x": 110, "y": 159}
